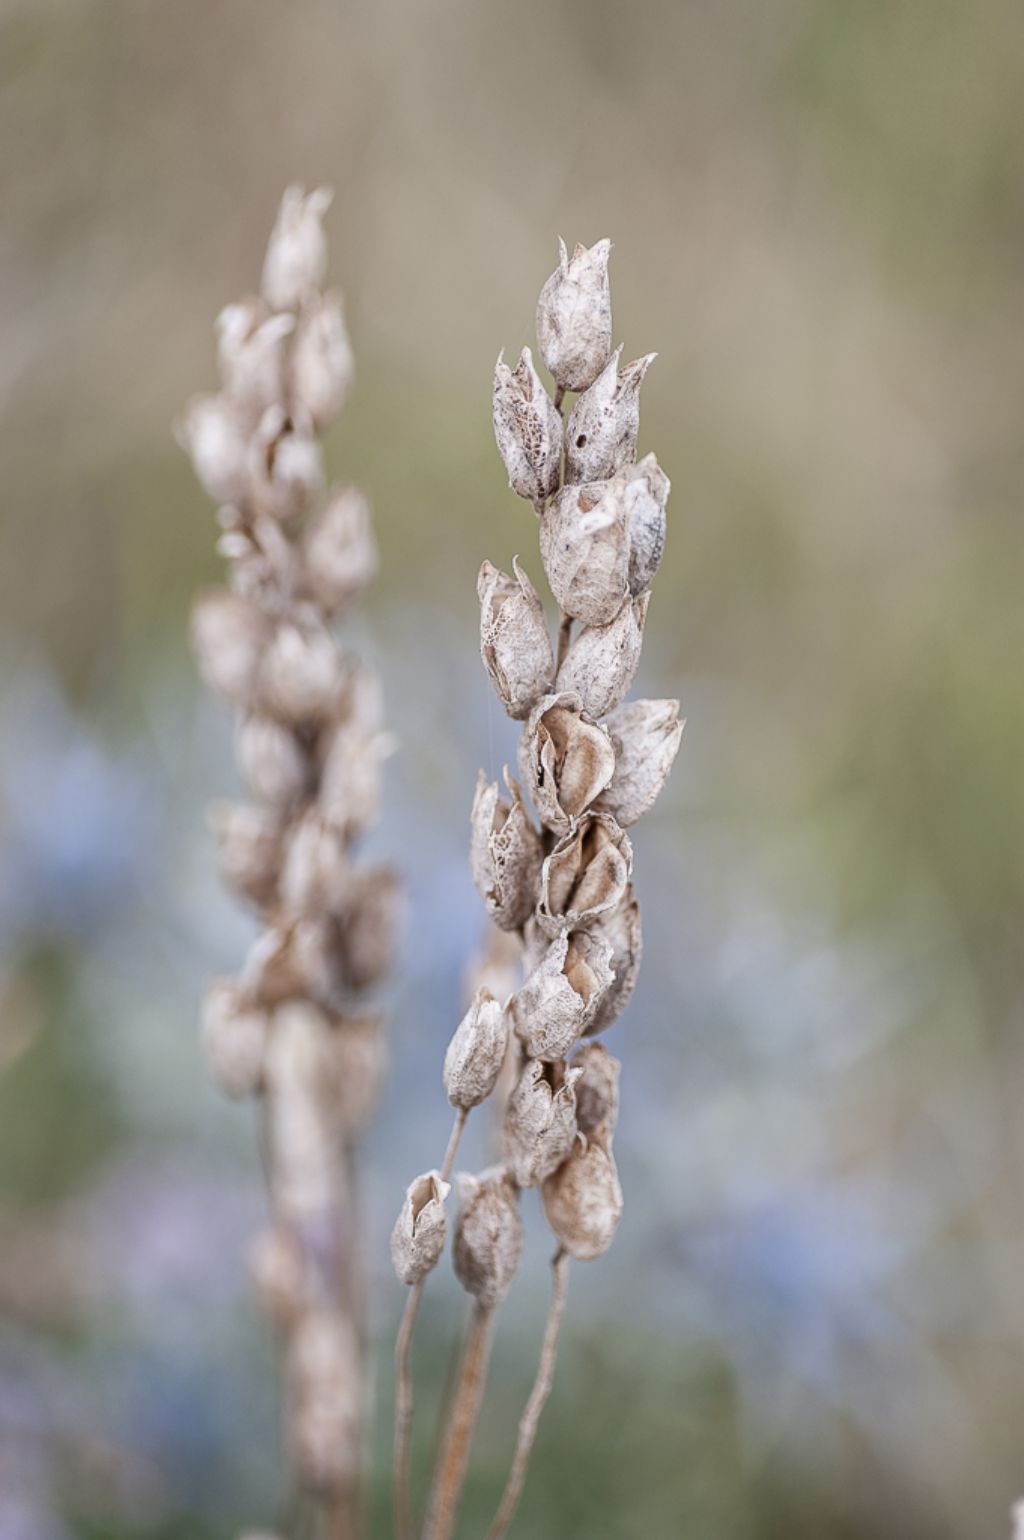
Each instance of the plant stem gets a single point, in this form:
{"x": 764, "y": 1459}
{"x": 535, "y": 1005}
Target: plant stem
{"x": 461, "y": 1426}
{"x": 403, "y": 1375}
{"x": 538, "y": 1396}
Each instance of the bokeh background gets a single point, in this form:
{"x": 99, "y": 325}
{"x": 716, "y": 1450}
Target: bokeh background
{"x": 812, "y": 1321}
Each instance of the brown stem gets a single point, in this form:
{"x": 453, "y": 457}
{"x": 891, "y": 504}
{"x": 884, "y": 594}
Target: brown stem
{"x": 538, "y": 1396}
{"x": 462, "y": 1419}
{"x": 403, "y": 1373}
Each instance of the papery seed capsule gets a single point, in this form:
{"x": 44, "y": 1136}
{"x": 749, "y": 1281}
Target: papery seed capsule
{"x": 540, "y": 1121}
{"x": 552, "y": 1008}
{"x": 350, "y": 781}
{"x": 528, "y": 429}
{"x": 597, "y": 1090}
{"x": 505, "y": 853}
{"x": 296, "y": 257}
{"x": 322, "y": 364}
{"x": 303, "y": 959}
{"x": 339, "y": 551}
{"x": 301, "y": 676}
{"x": 421, "y": 1228}
{"x": 565, "y": 758}
{"x": 514, "y": 640}
{"x": 212, "y": 433}
{"x": 583, "y": 1201}
{"x": 585, "y": 876}
{"x": 315, "y": 874}
{"x": 574, "y": 316}
{"x": 285, "y": 464}
{"x": 369, "y": 925}
{"x": 248, "y": 849}
{"x": 250, "y": 355}
{"x": 602, "y": 662}
{"x": 488, "y": 1235}
{"x": 234, "y": 1036}
{"x": 273, "y": 763}
{"x": 620, "y": 929}
{"x": 476, "y": 1052}
{"x": 645, "y": 490}
{"x": 229, "y": 637}
{"x": 645, "y": 735}
{"x": 584, "y": 544}
{"x": 601, "y": 436}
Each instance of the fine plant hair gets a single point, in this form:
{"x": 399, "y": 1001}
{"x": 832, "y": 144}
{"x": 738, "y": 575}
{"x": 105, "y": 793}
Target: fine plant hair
{"x": 295, "y": 1029}
{"x": 560, "y": 888}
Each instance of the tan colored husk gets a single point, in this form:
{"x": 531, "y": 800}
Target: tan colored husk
{"x": 565, "y": 758}
{"x": 553, "y": 1007}
{"x": 583, "y": 1200}
{"x": 476, "y": 1052}
{"x": 488, "y": 1235}
{"x": 540, "y": 1121}
{"x": 506, "y": 853}
{"x": 602, "y": 662}
{"x": 585, "y": 876}
{"x": 645, "y": 735}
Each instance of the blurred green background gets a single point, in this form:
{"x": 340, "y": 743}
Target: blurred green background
{"x": 812, "y": 1322}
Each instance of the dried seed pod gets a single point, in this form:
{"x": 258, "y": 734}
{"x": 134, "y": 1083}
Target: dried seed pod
{"x": 645, "y": 735}
{"x": 303, "y": 1129}
{"x": 620, "y": 928}
{"x": 212, "y": 433}
{"x": 323, "y": 1386}
{"x": 279, "y": 1275}
{"x": 285, "y": 464}
{"x": 369, "y": 925}
{"x": 583, "y": 1201}
{"x": 360, "y": 1061}
{"x": 602, "y": 662}
{"x": 604, "y": 539}
{"x": 597, "y": 1091}
{"x": 540, "y": 1121}
{"x": 553, "y": 1007}
{"x": 476, "y": 1052}
{"x": 645, "y": 491}
{"x": 601, "y": 436}
{"x": 300, "y": 960}
{"x": 574, "y": 316}
{"x": 339, "y": 552}
{"x": 273, "y": 762}
{"x": 514, "y": 641}
{"x": 301, "y": 675}
{"x": 528, "y": 429}
{"x": 585, "y": 876}
{"x": 229, "y": 637}
{"x": 250, "y": 355}
{"x": 322, "y": 363}
{"x": 488, "y": 1235}
{"x": 584, "y": 545}
{"x": 315, "y": 872}
{"x": 505, "y": 853}
{"x": 248, "y": 849}
{"x": 234, "y": 1036}
{"x": 565, "y": 758}
{"x": 353, "y": 752}
{"x": 296, "y": 257}
{"x": 263, "y": 565}
{"x": 421, "y": 1228}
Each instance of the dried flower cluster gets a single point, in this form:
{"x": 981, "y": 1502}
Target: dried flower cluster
{"x": 293, "y": 1029}
{"x": 592, "y": 766}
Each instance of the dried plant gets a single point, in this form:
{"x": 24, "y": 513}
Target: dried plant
{"x": 562, "y": 891}
{"x": 293, "y": 1029}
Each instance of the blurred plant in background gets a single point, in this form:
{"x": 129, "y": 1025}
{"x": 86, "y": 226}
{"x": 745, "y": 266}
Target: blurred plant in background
{"x": 820, "y": 216}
